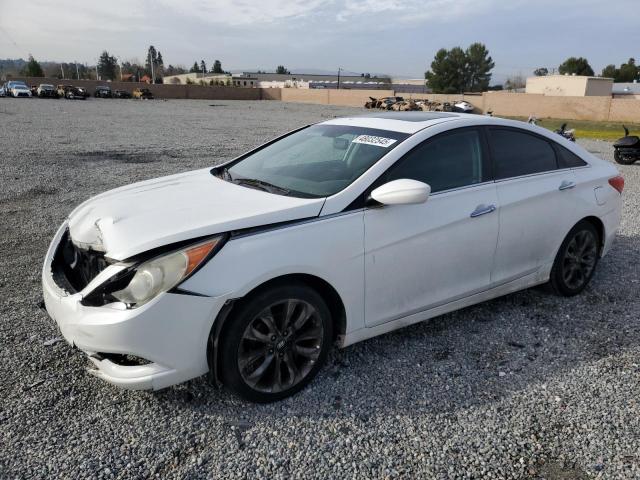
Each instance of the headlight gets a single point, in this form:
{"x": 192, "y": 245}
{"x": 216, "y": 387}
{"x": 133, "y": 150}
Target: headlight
{"x": 162, "y": 273}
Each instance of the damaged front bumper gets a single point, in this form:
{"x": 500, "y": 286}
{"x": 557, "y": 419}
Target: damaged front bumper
{"x": 169, "y": 334}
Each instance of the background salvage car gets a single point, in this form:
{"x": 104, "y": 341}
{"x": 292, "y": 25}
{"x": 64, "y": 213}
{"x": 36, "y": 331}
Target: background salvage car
{"x": 71, "y": 93}
{"x": 46, "y": 90}
{"x": 102, "y": 91}
{"x": 121, "y": 94}
{"x": 259, "y": 292}
{"x": 143, "y": 93}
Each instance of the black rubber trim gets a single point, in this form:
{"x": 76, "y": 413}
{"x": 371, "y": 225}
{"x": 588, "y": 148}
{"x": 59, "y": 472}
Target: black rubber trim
{"x": 181, "y": 291}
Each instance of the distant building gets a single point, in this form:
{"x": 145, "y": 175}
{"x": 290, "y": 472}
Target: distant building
{"x": 310, "y": 80}
{"x": 198, "y": 78}
{"x": 569, "y": 86}
{"x": 410, "y": 85}
{"x": 629, "y": 90}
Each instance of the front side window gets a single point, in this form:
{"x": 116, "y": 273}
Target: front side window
{"x": 452, "y": 160}
{"x": 317, "y": 161}
{"x": 518, "y": 153}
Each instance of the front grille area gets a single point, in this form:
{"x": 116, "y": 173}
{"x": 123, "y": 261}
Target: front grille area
{"x": 73, "y": 268}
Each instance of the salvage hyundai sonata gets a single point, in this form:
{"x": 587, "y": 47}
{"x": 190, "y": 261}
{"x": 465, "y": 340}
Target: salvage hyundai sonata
{"x": 330, "y": 234}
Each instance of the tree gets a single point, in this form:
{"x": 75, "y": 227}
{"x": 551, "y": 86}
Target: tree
{"x": 610, "y": 71}
{"x": 479, "y": 66}
{"x": 515, "y": 82}
{"x": 107, "y": 65}
{"x": 217, "y": 67}
{"x": 33, "y": 68}
{"x": 203, "y": 66}
{"x": 458, "y": 71}
{"x": 628, "y": 72}
{"x": 541, "y": 72}
{"x": 576, "y": 66}
{"x": 282, "y": 70}
{"x": 151, "y": 59}
{"x": 195, "y": 68}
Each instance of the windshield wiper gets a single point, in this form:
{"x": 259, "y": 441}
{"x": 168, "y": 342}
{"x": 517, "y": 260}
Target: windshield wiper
{"x": 262, "y": 185}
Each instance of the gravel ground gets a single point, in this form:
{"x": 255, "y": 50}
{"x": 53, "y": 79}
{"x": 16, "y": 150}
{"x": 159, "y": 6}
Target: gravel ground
{"x": 526, "y": 386}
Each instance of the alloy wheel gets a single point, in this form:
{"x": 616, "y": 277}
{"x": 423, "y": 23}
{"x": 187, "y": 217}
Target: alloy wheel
{"x": 280, "y": 346}
{"x": 579, "y": 259}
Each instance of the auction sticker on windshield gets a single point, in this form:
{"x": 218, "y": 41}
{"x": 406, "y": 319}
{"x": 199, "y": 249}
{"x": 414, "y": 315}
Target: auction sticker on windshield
{"x": 373, "y": 140}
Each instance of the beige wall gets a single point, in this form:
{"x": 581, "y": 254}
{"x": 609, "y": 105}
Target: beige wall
{"x": 504, "y": 104}
{"x": 351, "y": 98}
{"x": 524, "y": 104}
{"x": 569, "y": 86}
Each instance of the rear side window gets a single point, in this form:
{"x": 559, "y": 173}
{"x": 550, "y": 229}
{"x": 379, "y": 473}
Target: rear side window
{"x": 568, "y": 159}
{"x": 448, "y": 161}
{"x": 518, "y": 153}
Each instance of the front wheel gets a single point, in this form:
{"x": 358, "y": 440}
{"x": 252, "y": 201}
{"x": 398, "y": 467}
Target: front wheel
{"x": 576, "y": 260}
{"x": 275, "y": 343}
{"x": 621, "y": 159}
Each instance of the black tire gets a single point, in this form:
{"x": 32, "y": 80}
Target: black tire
{"x": 269, "y": 356}
{"x": 576, "y": 260}
{"x": 621, "y": 159}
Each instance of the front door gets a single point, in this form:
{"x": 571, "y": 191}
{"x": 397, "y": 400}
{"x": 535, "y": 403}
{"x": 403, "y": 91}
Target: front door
{"x": 421, "y": 256}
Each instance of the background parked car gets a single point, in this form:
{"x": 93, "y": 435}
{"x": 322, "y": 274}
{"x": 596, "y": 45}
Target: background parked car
{"x": 121, "y": 94}
{"x": 102, "y": 91}
{"x": 70, "y": 92}
{"x": 143, "y": 93}
{"x": 46, "y": 90}
{"x": 83, "y": 92}
{"x": 18, "y": 89}
{"x": 3, "y": 92}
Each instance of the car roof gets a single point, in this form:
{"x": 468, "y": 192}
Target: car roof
{"x": 413, "y": 122}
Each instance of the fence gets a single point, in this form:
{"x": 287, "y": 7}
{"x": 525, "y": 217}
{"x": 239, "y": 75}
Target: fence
{"x": 614, "y": 109}
{"x": 500, "y": 103}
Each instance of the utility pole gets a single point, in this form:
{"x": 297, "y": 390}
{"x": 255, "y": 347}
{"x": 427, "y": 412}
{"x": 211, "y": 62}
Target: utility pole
{"x": 339, "y": 68}
{"x": 97, "y": 76}
{"x": 62, "y": 70}
{"x": 77, "y": 71}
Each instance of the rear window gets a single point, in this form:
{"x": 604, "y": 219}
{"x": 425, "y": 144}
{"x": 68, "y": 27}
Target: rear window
{"x": 517, "y": 153}
{"x": 568, "y": 159}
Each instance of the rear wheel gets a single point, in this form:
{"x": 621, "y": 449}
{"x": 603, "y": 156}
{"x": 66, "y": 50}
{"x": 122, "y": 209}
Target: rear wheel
{"x": 275, "y": 343}
{"x": 576, "y": 260}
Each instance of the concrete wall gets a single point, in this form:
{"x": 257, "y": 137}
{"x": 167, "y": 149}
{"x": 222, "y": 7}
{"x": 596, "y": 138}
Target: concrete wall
{"x": 350, "y": 98}
{"x": 524, "y": 104}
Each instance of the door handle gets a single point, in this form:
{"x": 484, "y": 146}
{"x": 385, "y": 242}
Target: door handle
{"x": 566, "y": 185}
{"x": 483, "y": 210}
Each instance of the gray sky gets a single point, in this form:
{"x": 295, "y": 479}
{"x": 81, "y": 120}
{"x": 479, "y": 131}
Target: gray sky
{"x": 386, "y": 36}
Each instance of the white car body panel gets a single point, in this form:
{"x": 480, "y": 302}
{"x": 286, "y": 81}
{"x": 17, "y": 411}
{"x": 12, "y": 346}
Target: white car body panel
{"x": 408, "y": 243}
{"x": 176, "y": 208}
{"x": 390, "y": 266}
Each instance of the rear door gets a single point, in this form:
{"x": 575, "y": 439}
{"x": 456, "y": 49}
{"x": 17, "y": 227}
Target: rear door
{"x": 536, "y": 201}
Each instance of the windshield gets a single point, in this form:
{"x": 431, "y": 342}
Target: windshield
{"x": 317, "y": 161}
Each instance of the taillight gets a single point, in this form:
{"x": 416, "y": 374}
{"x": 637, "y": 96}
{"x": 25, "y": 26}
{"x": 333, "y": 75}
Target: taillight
{"x": 617, "y": 183}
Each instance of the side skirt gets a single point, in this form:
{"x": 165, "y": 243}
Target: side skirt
{"x": 531, "y": 280}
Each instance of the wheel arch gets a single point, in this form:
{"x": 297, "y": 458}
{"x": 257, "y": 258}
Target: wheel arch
{"x": 325, "y": 289}
{"x": 599, "y": 226}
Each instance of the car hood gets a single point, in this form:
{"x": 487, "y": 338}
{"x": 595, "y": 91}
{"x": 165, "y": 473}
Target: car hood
{"x": 139, "y": 217}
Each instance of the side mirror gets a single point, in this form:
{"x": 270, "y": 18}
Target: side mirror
{"x": 402, "y": 192}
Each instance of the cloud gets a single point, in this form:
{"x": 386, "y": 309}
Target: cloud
{"x": 242, "y": 12}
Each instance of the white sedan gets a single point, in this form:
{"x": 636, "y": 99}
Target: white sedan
{"x": 330, "y": 234}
